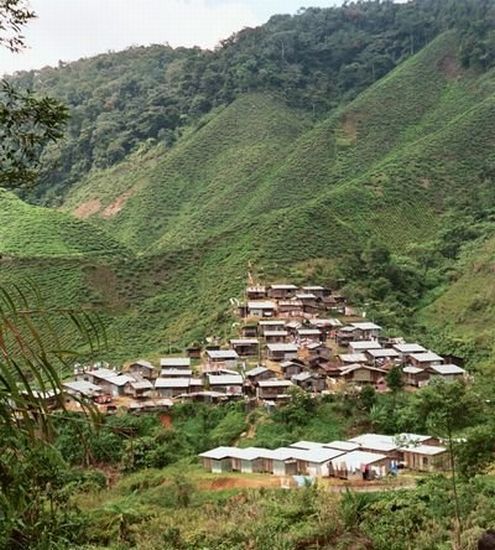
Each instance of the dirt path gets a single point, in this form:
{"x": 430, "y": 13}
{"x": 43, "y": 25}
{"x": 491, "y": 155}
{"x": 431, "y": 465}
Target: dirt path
{"x": 272, "y": 482}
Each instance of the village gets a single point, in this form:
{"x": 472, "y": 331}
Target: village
{"x": 289, "y": 337}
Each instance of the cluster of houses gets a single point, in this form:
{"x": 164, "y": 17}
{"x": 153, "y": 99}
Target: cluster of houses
{"x": 365, "y": 457}
{"x": 288, "y": 300}
{"x": 276, "y": 350}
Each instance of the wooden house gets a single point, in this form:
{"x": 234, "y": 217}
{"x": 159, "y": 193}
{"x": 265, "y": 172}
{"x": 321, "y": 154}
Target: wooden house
{"x": 328, "y": 327}
{"x": 140, "y": 389}
{"x": 449, "y": 372}
{"x": 258, "y": 308}
{"x": 362, "y": 374}
{"x": 230, "y": 384}
{"x": 175, "y": 373}
{"x": 249, "y": 330}
{"x": 111, "y": 382}
{"x": 245, "y": 346}
{"x": 178, "y": 363}
{"x": 309, "y": 334}
{"x": 426, "y": 458}
{"x": 282, "y": 291}
{"x": 406, "y": 349}
{"x": 292, "y": 327}
{"x": 291, "y": 308}
{"x": 425, "y": 359}
{"x": 361, "y": 346}
{"x": 143, "y": 369}
{"x": 256, "y": 292}
{"x": 384, "y": 356}
{"x": 222, "y": 358}
{"x": 82, "y": 389}
{"x": 282, "y": 352}
{"x": 318, "y": 291}
{"x": 308, "y": 300}
{"x": 275, "y": 336}
{"x": 271, "y": 325}
{"x": 194, "y": 351}
{"x": 291, "y": 368}
{"x": 365, "y": 330}
{"x": 345, "y": 335}
{"x": 273, "y": 389}
{"x": 414, "y": 376}
{"x": 258, "y": 374}
{"x": 348, "y": 359}
{"x": 310, "y": 382}
{"x": 172, "y": 387}
{"x": 318, "y": 350}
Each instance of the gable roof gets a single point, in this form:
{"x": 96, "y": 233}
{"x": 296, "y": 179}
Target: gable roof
{"x": 342, "y": 445}
{"x": 164, "y": 373}
{"x": 354, "y": 460}
{"x": 222, "y": 354}
{"x": 282, "y": 347}
{"x": 429, "y": 450}
{"x": 142, "y": 363}
{"x": 353, "y": 358}
{"x": 409, "y": 348}
{"x": 172, "y": 382}
{"x": 261, "y": 304}
{"x": 244, "y": 342}
{"x": 352, "y": 368}
{"x": 426, "y": 357}
{"x": 444, "y": 370}
{"x": 175, "y": 362}
{"x": 364, "y": 345}
{"x": 275, "y": 383}
{"x": 366, "y": 325}
{"x": 225, "y": 379}
{"x": 257, "y": 371}
{"x": 382, "y": 353}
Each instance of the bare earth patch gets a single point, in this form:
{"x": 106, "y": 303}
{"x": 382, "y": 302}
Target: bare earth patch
{"x": 87, "y": 209}
{"x": 116, "y": 206}
{"x": 350, "y": 123}
{"x": 450, "y": 67}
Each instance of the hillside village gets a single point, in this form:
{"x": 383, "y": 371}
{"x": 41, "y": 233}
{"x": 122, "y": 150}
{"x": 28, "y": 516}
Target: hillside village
{"x": 288, "y": 337}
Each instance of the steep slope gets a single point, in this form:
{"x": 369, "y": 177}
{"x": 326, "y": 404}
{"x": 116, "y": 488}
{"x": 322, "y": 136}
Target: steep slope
{"x": 199, "y": 188}
{"x": 31, "y": 231}
{"x": 462, "y": 319}
{"x": 258, "y": 182}
{"x": 245, "y": 188}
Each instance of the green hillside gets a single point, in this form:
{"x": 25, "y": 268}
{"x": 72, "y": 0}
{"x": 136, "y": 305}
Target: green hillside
{"x": 262, "y": 181}
{"x": 34, "y": 232}
{"x": 257, "y": 182}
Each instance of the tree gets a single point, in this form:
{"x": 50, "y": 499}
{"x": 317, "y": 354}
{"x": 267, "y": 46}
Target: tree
{"x": 31, "y": 356}
{"x": 445, "y": 408}
{"x": 394, "y": 379}
{"x": 27, "y": 122}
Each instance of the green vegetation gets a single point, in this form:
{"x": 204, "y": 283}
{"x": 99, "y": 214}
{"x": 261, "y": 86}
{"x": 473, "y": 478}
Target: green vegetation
{"x": 134, "y": 482}
{"x": 375, "y": 194}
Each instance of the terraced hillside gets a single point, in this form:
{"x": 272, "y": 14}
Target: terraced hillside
{"x": 34, "y": 232}
{"x": 261, "y": 182}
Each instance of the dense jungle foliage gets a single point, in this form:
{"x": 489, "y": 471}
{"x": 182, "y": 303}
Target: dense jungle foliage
{"x": 317, "y": 59}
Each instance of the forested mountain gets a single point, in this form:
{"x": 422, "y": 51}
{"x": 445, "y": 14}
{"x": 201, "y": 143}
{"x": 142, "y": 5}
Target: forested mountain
{"x": 317, "y": 60}
{"x": 345, "y": 144}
